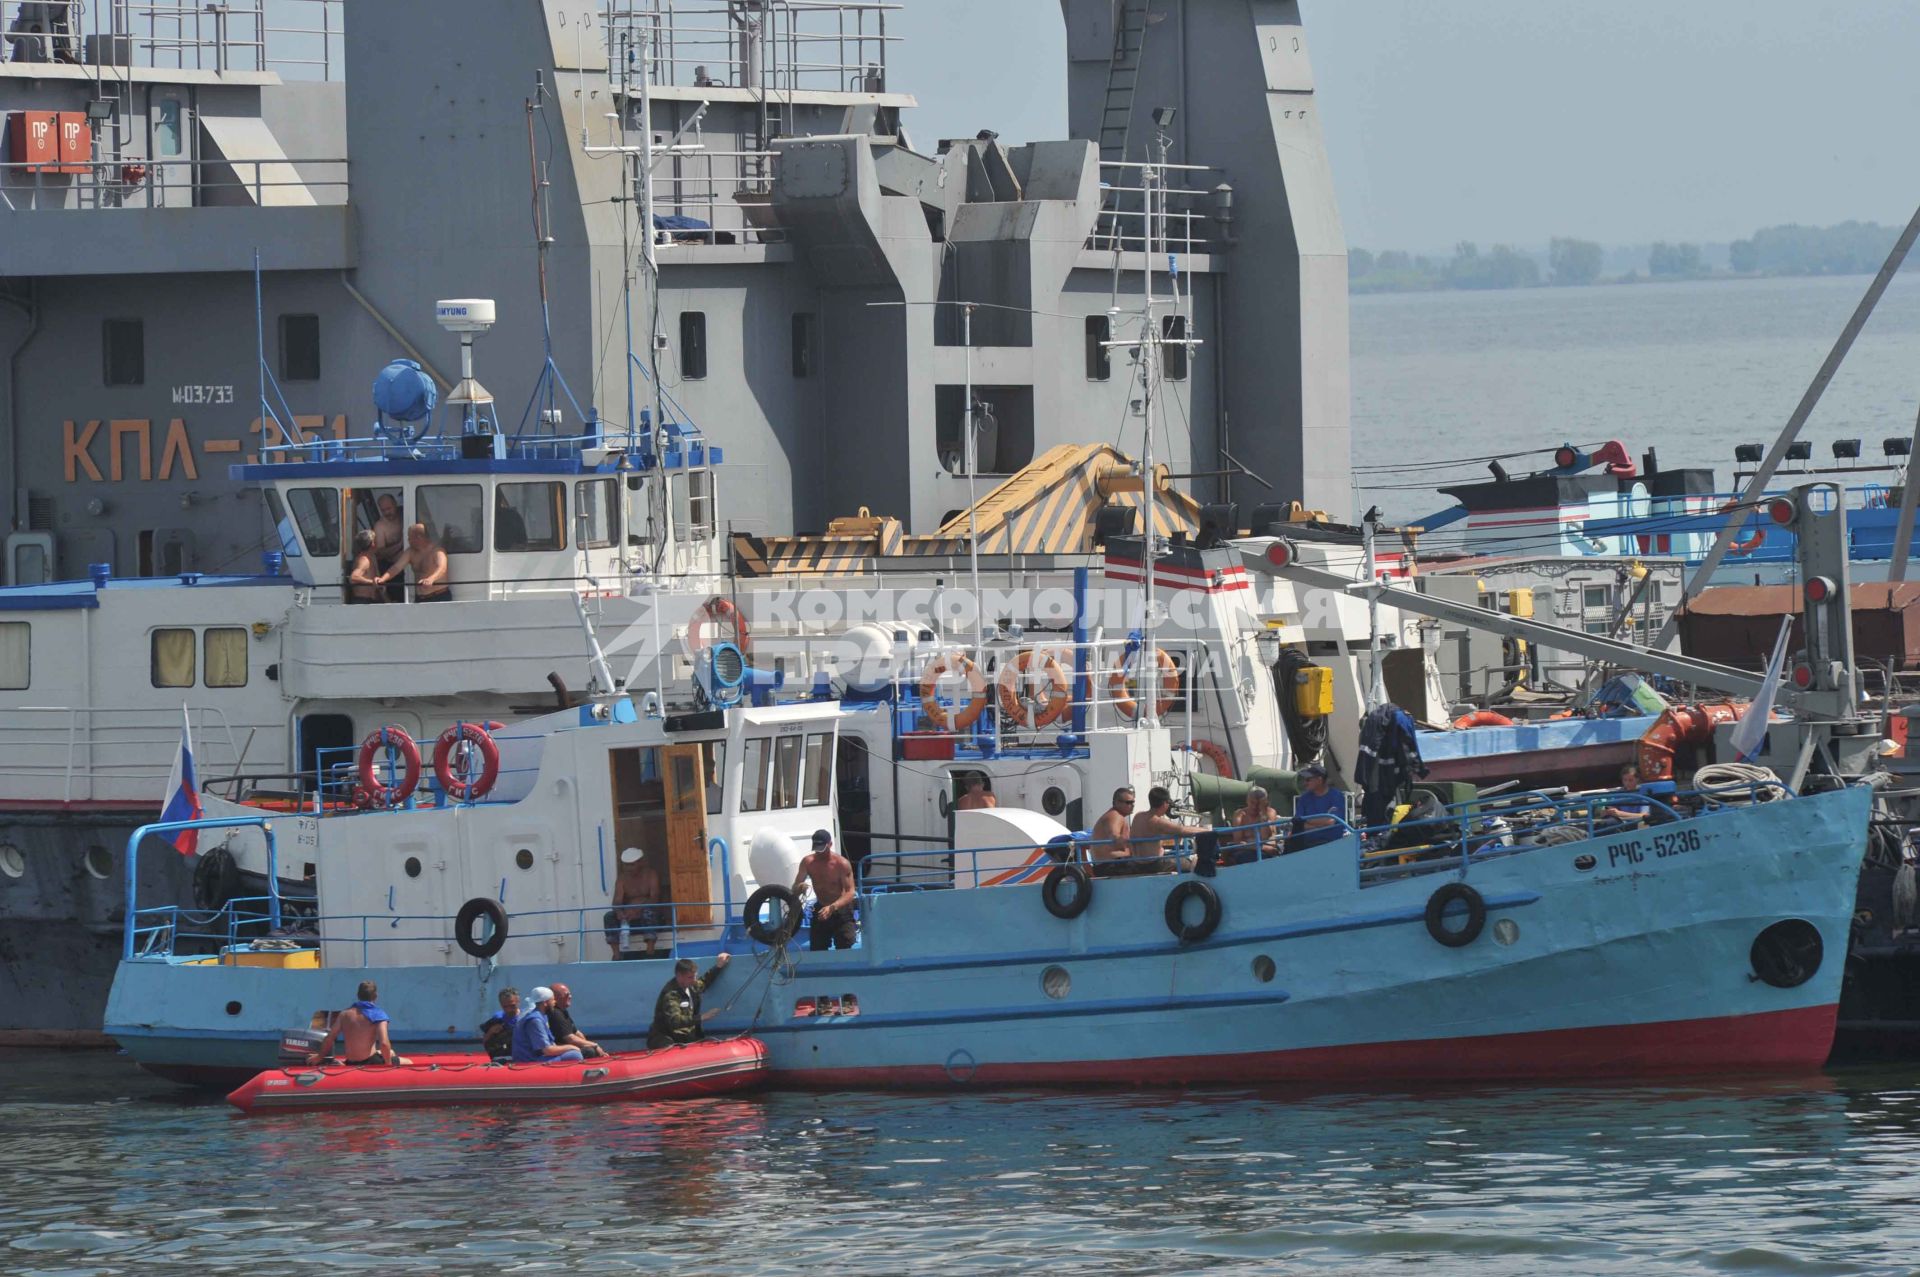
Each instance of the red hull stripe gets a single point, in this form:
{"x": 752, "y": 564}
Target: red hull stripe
{"x": 1774, "y": 1041}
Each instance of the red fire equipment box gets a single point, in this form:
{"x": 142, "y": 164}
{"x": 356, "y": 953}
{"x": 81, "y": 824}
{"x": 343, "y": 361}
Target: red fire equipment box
{"x": 33, "y": 139}
{"x": 76, "y": 142}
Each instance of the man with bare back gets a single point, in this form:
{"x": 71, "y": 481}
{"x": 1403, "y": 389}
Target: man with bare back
{"x": 637, "y": 902}
{"x": 362, "y": 1033}
{"x": 832, "y": 879}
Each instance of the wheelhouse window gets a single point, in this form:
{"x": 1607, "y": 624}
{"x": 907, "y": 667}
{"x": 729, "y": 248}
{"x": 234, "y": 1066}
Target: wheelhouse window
{"x": 381, "y": 511}
{"x": 529, "y": 517}
{"x": 598, "y": 511}
{"x": 819, "y": 771}
{"x": 16, "y": 668}
{"x": 1099, "y": 354}
{"x": 123, "y": 344}
{"x": 716, "y": 769}
{"x": 693, "y": 344}
{"x": 453, "y": 513}
{"x": 299, "y": 347}
{"x": 317, "y": 512}
{"x": 753, "y": 774}
{"x": 282, "y": 525}
{"x": 224, "y": 649}
{"x": 786, "y": 772}
{"x": 173, "y": 657}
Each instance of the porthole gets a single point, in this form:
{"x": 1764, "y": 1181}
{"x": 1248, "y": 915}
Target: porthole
{"x": 1787, "y": 954}
{"x": 13, "y": 863}
{"x": 412, "y": 866}
{"x": 233, "y": 1008}
{"x": 98, "y": 862}
{"x": 1055, "y": 982}
{"x": 1263, "y": 969}
{"x": 1054, "y": 801}
{"x": 1506, "y": 931}
{"x": 523, "y": 858}
{"x": 1584, "y": 863}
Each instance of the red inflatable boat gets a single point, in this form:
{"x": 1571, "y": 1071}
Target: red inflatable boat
{"x": 674, "y": 1073}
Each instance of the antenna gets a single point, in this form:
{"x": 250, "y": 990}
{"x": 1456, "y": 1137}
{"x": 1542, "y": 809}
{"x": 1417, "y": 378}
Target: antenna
{"x": 467, "y": 317}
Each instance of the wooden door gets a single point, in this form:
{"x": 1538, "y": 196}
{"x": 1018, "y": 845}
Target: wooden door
{"x": 688, "y": 883}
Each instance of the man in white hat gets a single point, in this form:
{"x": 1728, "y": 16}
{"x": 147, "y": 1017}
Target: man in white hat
{"x": 532, "y": 1037}
{"x": 637, "y": 903}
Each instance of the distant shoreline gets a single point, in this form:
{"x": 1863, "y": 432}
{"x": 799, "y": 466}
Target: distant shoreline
{"x": 1364, "y": 287}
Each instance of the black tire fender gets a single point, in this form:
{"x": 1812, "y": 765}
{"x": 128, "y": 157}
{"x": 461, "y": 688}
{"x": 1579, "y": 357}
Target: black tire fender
{"x": 1192, "y": 932}
{"x": 1437, "y": 905}
{"x": 216, "y": 879}
{"x": 471, "y": 912}
{"x": 1061, "y": 900}
{"x": 789, "y": 918}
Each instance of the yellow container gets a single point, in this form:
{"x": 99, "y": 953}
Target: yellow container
{"x": 1313, "y": 692}
{"x": 1520, "y": 602}
{"x": 283, "y": 959}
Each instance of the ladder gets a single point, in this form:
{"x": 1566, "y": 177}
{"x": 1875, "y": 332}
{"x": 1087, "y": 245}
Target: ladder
{"x": 1123, "y": 74}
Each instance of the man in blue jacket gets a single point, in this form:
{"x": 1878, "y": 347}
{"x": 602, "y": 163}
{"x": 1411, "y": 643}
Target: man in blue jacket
{"x": 532, "y": 1038}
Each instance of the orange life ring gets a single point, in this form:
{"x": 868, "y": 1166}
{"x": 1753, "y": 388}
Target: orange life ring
{"x": 714, "y": 612}
{"x": 958, "y": 663}
{"x": 1483, "y": 718}
{"x": 1120, "y": 687}
{"x": 1213, "y": 754}
{"x": 395, "y": 740}
{"x": 1746, "y": 545}
{"x": 1014, "y": 708}
{"x": 457, "y": 786}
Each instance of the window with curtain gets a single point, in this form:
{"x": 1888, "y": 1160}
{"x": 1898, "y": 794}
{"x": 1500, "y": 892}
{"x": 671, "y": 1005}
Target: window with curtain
{"x": 225, "y": 652}
{"x": 173, "y": 658}
{"x": 16, "y": 669}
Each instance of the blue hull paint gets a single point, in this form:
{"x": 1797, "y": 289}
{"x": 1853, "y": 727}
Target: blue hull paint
{"x": 950, "y": 984}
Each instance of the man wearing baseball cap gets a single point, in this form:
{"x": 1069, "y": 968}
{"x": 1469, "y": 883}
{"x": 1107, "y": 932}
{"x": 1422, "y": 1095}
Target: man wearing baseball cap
{"x": 832, "y": 879}
{"x": 532, "y": 1037}
{"x": 1317, "y": 812}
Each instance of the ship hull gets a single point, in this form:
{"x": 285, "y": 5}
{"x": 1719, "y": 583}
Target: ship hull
{"x": 1640, "y": 961}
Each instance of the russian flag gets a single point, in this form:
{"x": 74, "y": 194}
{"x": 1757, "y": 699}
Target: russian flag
{"x": 182, "y": 799}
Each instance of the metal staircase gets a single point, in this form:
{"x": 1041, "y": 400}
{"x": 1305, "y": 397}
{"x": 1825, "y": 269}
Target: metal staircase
{"x": 1123, "y": 74}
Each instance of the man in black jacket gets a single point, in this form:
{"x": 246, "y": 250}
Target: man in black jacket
{"x": 565, "y": 1031}
{"x": 676, "y": 1012}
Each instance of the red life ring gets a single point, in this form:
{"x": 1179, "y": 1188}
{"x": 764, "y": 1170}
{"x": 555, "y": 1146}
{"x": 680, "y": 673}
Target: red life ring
{"x": 1483, "y": 718}
{"x": 1014, "y": 706}
{"x": 477, "y": 737}
{"x": 1120, "y": 687}
{"x": 1213, "y": 754}
{"x": 1748, "y": 544}
{"x": 961, "y": 667}
{"x": 395, "y": 740}
{"x": 714, "y": 612}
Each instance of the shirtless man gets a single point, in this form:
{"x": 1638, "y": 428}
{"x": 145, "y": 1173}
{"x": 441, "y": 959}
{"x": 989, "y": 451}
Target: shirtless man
{"x": 429, "y": 564}
{"x": 362, "y": 1032}
{"x": 832, "y": 879}
{"x": 979, "y": 794}
{"x": 363, "y": 576}
{"x": 1152, "y": 826}
{"x": 1256, "y": 829}
{"x": 637, "y": 903}
{"x": 389, "y": 534}
{"x": 1108, "y": 850}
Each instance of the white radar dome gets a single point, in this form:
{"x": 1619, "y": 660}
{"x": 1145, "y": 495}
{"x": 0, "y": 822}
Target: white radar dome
{"x": 464, "y": 314}
{"x": 867, "y": 661}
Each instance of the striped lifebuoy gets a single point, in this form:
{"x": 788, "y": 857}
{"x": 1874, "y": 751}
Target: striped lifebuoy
{"x": 960, "y": 664}
{"x": 1120, "y": 686}
{"x": 716, "y": 611}
{"x": 403, "y": 752}
{"x": 1214, "y": 754}
{"x": 1014, "y": 705}
{"x": 1748, "y": 544}
{"x": 458, "y": 783}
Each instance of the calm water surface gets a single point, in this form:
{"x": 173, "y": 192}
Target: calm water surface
{"x": 105, "y": 1171}
{"x": 1690, "y": 368}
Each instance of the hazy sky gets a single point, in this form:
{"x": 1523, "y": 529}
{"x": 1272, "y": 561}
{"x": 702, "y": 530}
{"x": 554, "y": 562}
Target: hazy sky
{"x": 1517, "y": 120}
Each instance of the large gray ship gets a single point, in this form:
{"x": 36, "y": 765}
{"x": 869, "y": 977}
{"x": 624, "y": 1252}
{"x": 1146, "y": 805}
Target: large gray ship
{"x": 811, "y": 260}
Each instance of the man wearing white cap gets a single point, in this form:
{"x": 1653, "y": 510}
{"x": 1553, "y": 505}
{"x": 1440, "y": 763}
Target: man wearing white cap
{"x": 636, "y": 904}
{"x": 532, "y": 1037}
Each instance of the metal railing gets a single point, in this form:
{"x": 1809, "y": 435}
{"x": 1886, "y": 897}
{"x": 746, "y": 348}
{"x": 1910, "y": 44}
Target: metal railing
{"x": 300, "y": 39}
{"x": 1183, "y": 224}
{"x": 776, "y": 47}
{"x": 87, "y": 748}
{"x": 183, "y": 183}
{"x": 731, "y": 191}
